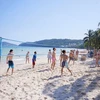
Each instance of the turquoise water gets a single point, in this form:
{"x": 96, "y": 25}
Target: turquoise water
{"x": 20, "y": 51}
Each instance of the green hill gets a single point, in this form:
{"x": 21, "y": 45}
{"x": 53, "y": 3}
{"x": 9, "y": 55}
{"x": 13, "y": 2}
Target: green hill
{"x": 55, "y": 43}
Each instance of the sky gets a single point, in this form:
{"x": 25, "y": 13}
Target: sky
{"x": 33, "y": 20}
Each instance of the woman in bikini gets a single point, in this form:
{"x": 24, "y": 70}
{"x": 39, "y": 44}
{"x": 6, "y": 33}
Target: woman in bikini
{"x": 27, "y": 57}
{"x": 53, "y": 59}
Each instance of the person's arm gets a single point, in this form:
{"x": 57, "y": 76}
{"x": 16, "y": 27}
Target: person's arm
{"x": 7, "y": 59}
{"x": 66, "y": 57}
{"x": 61, "y": 59}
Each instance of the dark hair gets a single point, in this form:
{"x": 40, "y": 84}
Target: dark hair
{"x": 63, "y": 51}
{"x": 49, "y": 49}
{"x": 35, "y": 52}
{"x": 54, "y": 48}
{"x": 11, "y": 50}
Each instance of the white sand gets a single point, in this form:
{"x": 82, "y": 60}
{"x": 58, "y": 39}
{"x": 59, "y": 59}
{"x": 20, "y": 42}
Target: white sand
{"x": 42, "y": 84}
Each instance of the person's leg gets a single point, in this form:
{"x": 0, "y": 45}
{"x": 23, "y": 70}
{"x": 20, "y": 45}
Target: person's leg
{"x": 73, "y": 61}
{"x": 97, "y": 61}
{"x": 61, "y": 71}
{"x": 69, "y": 71}
{"x": 69, "y": 61}
{"x": 12, "y": 71}
{"x": 32, "y": 64}
{"x": 7, "y": 70}
{"x": 48, "y": 60}
{"x": 28, "y": 60}
{"x": 53, "y": 66}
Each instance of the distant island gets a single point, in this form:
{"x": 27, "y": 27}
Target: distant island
{"x": 7, "y": 44}
{"x": 60, "y": 43}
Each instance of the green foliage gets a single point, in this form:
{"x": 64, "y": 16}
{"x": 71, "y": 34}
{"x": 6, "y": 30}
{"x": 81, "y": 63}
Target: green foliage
{"x": 92, "y": 39}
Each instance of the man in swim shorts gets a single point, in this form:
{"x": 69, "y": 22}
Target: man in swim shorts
{"x": 64, "y": 59}
{"x": 10, "y": 61}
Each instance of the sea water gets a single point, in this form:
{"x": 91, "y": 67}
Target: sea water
{"x": 20, "y": 51}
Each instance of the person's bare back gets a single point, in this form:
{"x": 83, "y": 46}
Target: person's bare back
{"x": 9, "y": 57}
{"x": 64, "y": 57}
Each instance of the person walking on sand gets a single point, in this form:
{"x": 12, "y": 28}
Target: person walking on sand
{"x": 60, "y": 57}
{"x": 53, "y": 59}
{"x": 27, "y": 57}
{"x": 64, "y": 59}
{"x": 77, "y": 53}
{"x": 71, "y": 56}
{"x": 34, "y": 59}
{"x": 9, "y": 61}
{"x": 49, "y": 56}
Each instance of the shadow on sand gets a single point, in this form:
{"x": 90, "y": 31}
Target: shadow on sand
{"x": 77, "y": 90}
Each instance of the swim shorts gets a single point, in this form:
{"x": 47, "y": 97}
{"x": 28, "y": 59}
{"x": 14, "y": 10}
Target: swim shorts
{"x": 11, "y": 64}
{"x": 33, "y": 62}
{"x": 64, "y": 63}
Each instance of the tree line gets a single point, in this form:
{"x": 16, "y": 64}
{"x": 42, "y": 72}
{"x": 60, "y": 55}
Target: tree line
{"x": 92, "y": 39}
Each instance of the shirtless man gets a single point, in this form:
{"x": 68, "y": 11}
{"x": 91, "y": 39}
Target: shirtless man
{"x": 53, "y": 59}
{"x": 71, "y": 56}
{"x": 10, "y": 62}
{"x": 64, "y": 59}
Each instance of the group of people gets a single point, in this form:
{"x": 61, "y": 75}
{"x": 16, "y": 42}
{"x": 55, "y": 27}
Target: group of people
{"x": 33, "y": 58}
{"x": 51, "y": 59}
{"x": 64, "y": 59}
{"x": 73, "y": 55}
{"x": 9, "y": 60}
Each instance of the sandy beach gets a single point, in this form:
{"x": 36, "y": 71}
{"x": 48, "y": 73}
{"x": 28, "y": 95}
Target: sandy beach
{"x": 41, "y": 83}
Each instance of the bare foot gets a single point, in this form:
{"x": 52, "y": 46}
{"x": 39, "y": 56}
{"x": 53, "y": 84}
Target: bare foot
{"x": 6, "y": 74}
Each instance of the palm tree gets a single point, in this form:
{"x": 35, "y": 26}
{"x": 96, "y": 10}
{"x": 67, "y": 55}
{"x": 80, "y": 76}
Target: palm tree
{"x": 88, "y": 38}
{"x": 95, "y": 39}
{"x": 98, "y": 24}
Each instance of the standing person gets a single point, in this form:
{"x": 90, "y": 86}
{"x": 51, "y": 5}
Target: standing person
{"x": 34, "y": 59}
{"x": 98, "y": 58}
{"x": 9, "y": 61}
{"x": 27, "y": 57}
{"x": 94, "y": 54}
{"x": 53, "y": 59}
{"x": 77, "y": 53}
{"x": 71, "y": 56}
{"x": 60, "y": 57}
{"x": 64, "y": 59}
{"x": 49, "y": 56}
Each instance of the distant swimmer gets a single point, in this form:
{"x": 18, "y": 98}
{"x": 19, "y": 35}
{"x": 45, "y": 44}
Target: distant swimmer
{"x": 27, "y": 57}
{"x": 34, "y": 59}
{"x": 53, "y": 58}
{"x": 49, "y": 56}
{"x": 64, "y": 59}
{"x": 9, "y": 61}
